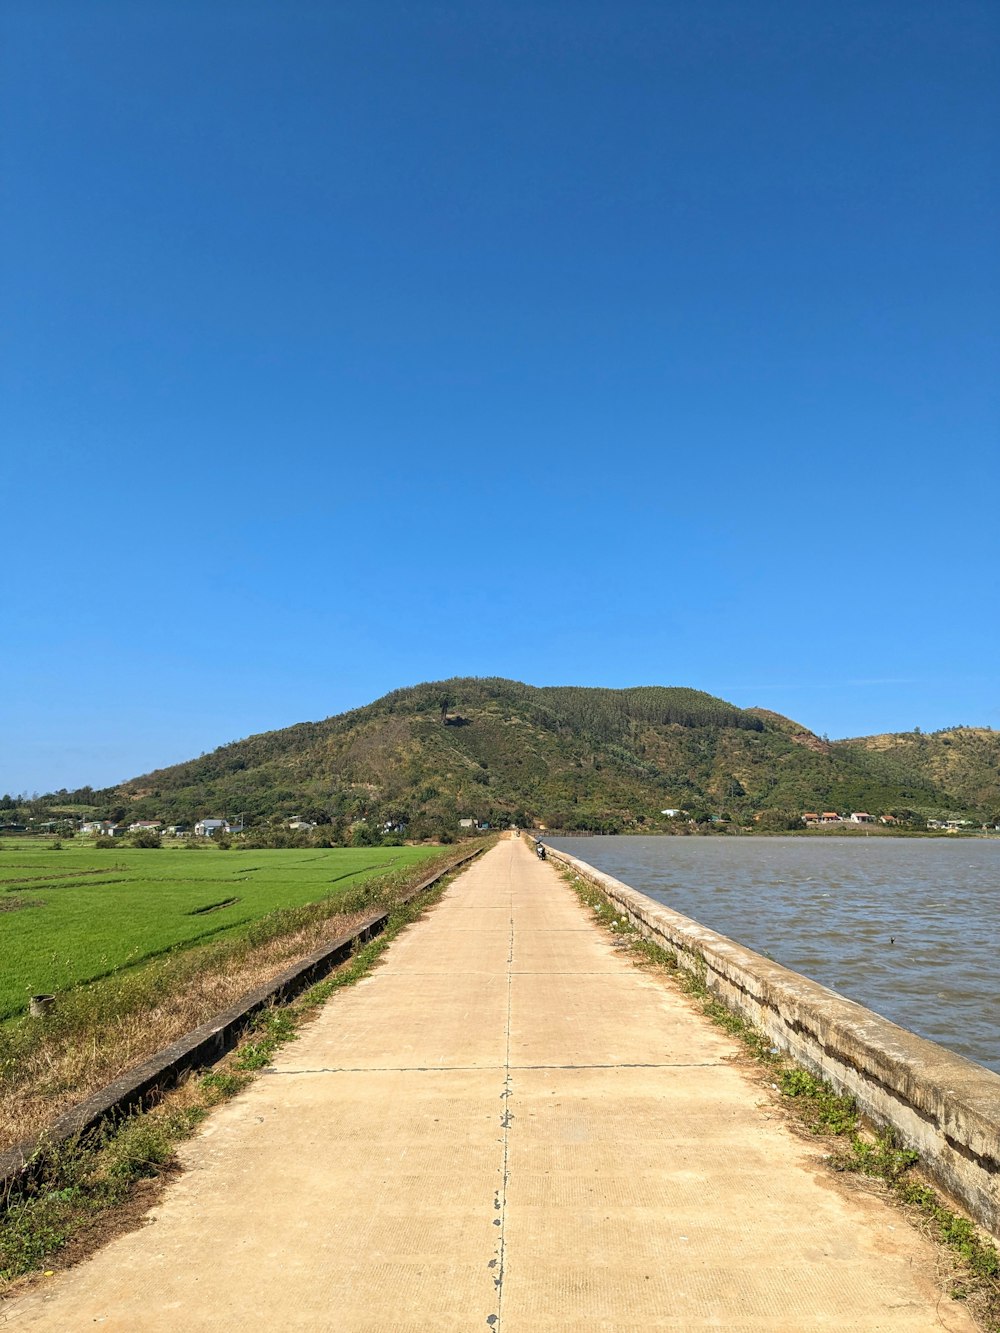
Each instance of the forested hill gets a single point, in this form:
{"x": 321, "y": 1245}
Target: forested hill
{"x": 497, "y": 750}
{"x": 961, "y": 761}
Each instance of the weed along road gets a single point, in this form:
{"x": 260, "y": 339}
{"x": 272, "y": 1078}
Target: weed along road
{"x": 506, "y": 1126}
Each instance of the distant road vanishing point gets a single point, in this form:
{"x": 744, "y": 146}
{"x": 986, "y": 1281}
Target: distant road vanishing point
{"x": 506, "y": 1126}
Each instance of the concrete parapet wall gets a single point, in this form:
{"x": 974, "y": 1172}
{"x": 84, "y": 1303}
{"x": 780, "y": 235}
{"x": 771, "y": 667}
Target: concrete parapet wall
{"x": 945, "y": 1107}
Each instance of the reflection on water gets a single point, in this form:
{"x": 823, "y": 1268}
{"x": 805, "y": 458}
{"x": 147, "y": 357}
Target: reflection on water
{"x": 908, "y": 927}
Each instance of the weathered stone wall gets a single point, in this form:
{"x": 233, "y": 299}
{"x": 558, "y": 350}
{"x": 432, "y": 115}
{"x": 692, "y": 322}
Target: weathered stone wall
{"x": 942, "y": 1105}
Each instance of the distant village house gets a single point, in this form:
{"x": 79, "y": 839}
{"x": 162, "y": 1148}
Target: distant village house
{"x": 208, "y": 828}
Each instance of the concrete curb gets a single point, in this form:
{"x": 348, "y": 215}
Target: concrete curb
{"x": 942, "y": 1105}
{"x": 203, "y": 1046}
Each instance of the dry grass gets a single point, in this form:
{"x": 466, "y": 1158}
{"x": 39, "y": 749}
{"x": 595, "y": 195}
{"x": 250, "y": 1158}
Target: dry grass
{"x": 102, "y": 1030}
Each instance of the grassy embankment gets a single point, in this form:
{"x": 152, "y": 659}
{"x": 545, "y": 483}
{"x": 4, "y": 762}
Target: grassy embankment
{"x": 140, "y": 947}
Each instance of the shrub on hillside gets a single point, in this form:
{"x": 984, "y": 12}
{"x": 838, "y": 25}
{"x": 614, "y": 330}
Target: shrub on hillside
{"x": 779, "y": 821}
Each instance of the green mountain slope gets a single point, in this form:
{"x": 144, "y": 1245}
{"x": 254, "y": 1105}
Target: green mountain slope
{"x": 963, "y": 763}
{"x": 568, "y": 757}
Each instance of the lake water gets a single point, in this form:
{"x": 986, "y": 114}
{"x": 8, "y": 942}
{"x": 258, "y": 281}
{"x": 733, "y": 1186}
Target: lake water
{"x": 829, "y": 907}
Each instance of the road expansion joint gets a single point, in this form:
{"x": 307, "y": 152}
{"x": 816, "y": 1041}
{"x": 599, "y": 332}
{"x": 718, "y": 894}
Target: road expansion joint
{"x": 499, "y": 1069}
{"x": 630, "y": 1064}
{"x": 552, "y": 972}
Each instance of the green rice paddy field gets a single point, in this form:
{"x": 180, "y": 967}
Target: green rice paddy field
{"x": 74, "y": 915}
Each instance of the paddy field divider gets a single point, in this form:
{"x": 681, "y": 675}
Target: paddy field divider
{"x": 941, "y": 1105}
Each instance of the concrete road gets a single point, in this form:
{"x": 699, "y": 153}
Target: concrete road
{"x": 507, "y": 1127}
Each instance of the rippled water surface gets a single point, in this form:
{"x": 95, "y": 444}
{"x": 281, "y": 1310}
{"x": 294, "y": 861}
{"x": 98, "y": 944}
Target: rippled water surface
{"x": 829, "y": 908}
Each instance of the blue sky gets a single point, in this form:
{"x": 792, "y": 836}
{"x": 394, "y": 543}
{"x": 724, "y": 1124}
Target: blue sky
{"x": 352, "y": 345}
